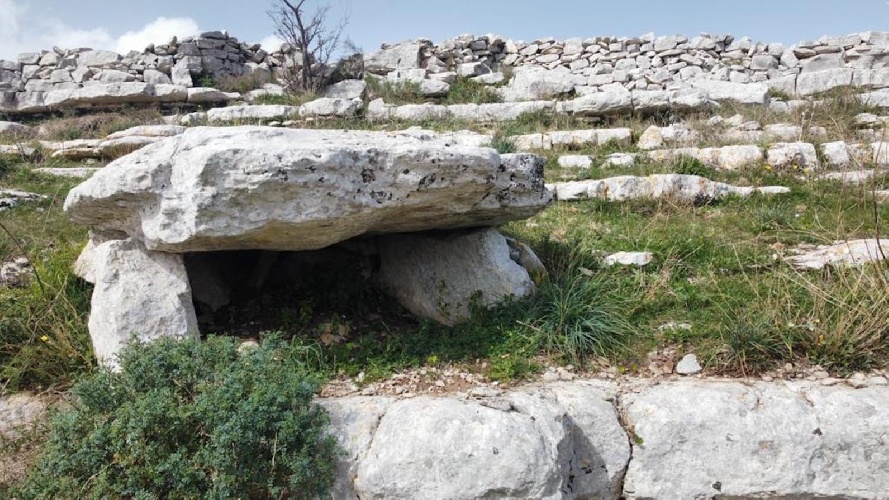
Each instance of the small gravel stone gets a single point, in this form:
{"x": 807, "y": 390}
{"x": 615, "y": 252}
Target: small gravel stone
{"x": 550, "y": 376}
{"x": 484, "y": 392}
{"x": 688, "y": 365}
{"x": 857, "y": 380}
{"x": 830, "y": 381}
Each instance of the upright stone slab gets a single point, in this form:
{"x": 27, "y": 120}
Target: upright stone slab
{"x": 138, "y": 294}
{"x": 441, "y": 277}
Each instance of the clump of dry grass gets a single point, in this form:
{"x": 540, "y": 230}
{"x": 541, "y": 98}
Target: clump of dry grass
{"x": 98, "y": 125}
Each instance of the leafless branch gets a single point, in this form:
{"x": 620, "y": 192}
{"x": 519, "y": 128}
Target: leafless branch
{"x": 311, "y": 36}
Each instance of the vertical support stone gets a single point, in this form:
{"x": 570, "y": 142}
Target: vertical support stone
{"x": 138, "y": 294}
{"x": 439, "y": 276}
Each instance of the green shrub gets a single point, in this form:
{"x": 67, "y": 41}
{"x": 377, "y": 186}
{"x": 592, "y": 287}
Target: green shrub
{"x": 191, "y": 419}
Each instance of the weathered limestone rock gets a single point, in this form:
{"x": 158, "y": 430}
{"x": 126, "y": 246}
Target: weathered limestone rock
{"x": 688, "y": 365}
{"x": 148, "y": 131}
{"x": 726, "y": 157}
{"x": 16, "y": 150}
{"x": 283, "y": 189}
{"x": 329, "y": 107}
{"x": 573, "y": 138}
{"x": 619, "y": 160}
{"x": 74, "y": 172}
{"x": 138, "y": 294}
{"x": 843, "y": 253}
{"x": 114, "y": 94}
{"x": 401, "y": 56}
{"x": 15, "y": 272}
{"x": 878, "y": 98}
{"x": 599, "y": 104}
{"x": 205, "y": 95}
{"x": 638, "y": 259}
{"x": 790, "y": 440}
{"x": 13, "y": 128}
{"x": 346, "y": 89}
{"x": 252, "y": 113}
{"x": 793, "y": 155}
{"x": 441, "y": 277}
{"x": 572, "y": 446}
{"x": 10, "y": 198}
{"x": 687, "y": 188}
{"x": 821, "y": 81}
{"x": 575, "y": 161}
{"x": 744, "y": 93}
{"x": 656, "y": 137}
{"x": 353, "y": 422}
{"x": 534, "y": 83}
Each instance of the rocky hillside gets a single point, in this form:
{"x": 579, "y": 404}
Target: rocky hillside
{"x": 556, "y": 258}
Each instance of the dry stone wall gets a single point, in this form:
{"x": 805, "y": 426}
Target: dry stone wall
{"x": 649, "y": 62}
{"x": 719, "y": 65}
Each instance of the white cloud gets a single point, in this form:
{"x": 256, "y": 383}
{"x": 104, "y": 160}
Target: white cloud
{"x": 271, "y": 43}
{"x": 159, "y": 31}
{"x": 21, "y": 32}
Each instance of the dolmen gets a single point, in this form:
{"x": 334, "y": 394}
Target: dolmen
{"x": 424, "y": 205}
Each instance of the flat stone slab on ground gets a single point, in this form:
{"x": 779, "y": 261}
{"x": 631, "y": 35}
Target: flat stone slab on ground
{"x": 852, "y": 252}
{"x": 687, "y": 188}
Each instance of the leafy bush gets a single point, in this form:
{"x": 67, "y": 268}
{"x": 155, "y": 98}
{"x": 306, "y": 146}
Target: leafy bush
{"x": 191, "y": 419}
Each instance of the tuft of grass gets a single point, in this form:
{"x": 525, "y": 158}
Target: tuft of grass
{"x": 836, "y": 320}
{"x": 396, "y": 93}
{"x": 577, "y": 316}
{"x": 243, "y": 83}
{"x": 465, "y": 90}
{"x": 779, "y": 94}
{"x": 97, "y": 126}
{"x": 287, "y": 98}
{"x": 692, "y": 166}
{"x": 503, "y": 145}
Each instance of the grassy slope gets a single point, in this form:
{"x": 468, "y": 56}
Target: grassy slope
{"x": 716, "y": 267}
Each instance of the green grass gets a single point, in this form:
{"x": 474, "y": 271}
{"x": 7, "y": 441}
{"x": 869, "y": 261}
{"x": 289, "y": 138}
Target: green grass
{"x": 715, "y": 267}
{"x": 395, "y": 93}
{"x": 465, "y": 90}
{"x": 287, "y": 98}
{"x": 43, "y": 325}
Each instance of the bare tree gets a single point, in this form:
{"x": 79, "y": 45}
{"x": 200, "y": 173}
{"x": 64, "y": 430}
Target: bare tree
{"x": 314, "y": 40}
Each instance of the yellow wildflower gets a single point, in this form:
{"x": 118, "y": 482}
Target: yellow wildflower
{"x": 44, "y": 338}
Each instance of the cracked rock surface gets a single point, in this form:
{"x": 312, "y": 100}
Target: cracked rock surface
{"x": 634, "y": 440}
{"x": 280, "y": 189}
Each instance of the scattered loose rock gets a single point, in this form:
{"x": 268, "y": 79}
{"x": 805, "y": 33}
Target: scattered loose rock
{"x": 853, "y": 252}
{"x": 686, "y": 188}
{"x": 688, "y": 365}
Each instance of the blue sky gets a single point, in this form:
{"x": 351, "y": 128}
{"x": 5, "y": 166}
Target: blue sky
{"x": 121, "y": 24}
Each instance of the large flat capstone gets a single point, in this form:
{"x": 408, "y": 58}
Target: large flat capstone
{"x": 279, "y": 189}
